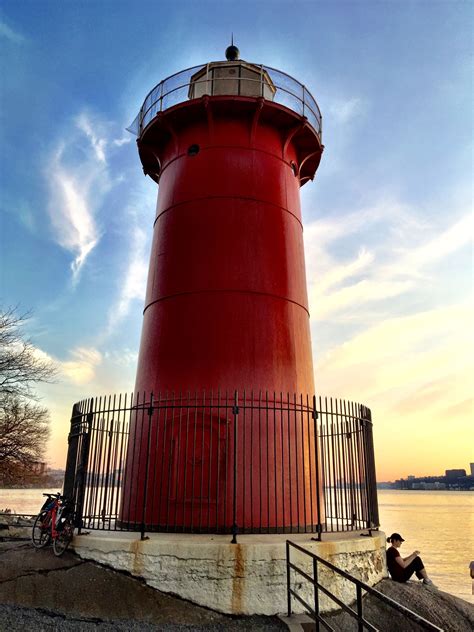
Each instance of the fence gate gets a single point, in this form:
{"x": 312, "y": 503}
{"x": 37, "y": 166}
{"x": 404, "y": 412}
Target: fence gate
{"x": 77, "y": 458}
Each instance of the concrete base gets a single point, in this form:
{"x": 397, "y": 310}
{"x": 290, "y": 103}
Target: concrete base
{"x": 244, "y": 578}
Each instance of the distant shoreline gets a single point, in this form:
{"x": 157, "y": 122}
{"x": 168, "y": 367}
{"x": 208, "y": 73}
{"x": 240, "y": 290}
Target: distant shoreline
{"x": 33, "y": 487}
{"x": 410, "y": 489}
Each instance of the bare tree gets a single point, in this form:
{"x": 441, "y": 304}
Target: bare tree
{"x": 24, "y": 425}
{"x": 21, "y": 365}
{"x": 24, "y": 431}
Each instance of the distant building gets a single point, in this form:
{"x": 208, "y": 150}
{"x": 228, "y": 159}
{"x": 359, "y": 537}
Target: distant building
{"x": 472, "y": 468}
{"x": 452, "y": 474}
{"x": 386, "y": 485}
{"x": 434, "y": 485}
{"x": 411, "y": 477}
{"x": 428, "y": 485}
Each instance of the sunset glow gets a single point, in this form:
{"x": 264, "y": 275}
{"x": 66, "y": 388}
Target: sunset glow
{"x": 388, "y": 220}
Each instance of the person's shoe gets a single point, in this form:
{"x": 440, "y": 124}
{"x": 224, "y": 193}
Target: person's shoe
{"x": 429, "y": 582}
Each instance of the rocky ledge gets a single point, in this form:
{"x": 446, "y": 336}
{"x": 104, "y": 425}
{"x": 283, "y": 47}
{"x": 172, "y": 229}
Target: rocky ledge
{"x": 450, "y": 613}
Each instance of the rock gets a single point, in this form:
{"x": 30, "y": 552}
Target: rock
{"x": 444, "y": 610}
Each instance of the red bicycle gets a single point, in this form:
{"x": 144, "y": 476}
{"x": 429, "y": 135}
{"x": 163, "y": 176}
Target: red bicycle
{"x": 54, "y": 523}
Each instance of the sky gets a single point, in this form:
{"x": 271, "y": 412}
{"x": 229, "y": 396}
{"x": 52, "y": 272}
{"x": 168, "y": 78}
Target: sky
{"x": 387, "y": 220}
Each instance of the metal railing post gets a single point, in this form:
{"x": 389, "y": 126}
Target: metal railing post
{"x": 71, "y": 460}
{"x": 369, "y": 466}
{"x": 288, "y": 577}
{"x": 235, "y": 412}
{"x": 83, "y": 469}
{"x": 360, "y": 613}
{"x": 316, "y": 592}
{"x": 316, "y": 456}
{"x": 145, "y": 491}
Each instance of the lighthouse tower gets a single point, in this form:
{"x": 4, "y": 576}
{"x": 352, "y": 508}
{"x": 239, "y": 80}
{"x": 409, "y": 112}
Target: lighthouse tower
{"x": 226, "y": 304}
{"x": 230, "y": 144}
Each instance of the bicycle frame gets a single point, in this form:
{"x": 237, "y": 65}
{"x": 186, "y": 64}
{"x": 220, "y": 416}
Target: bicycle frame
{"x": 53, "y": 507}
{"x": 54, "y": 524}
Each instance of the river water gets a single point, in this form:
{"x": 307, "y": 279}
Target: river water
{"x": 439, "y": 524}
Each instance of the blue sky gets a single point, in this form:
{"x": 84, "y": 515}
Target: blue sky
{"x": 388, "y": 219}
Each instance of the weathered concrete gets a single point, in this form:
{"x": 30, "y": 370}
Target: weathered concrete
{"x": 247, "y": 578}
{"x": 43, "y": 592}
{"x": 15, "y": 526}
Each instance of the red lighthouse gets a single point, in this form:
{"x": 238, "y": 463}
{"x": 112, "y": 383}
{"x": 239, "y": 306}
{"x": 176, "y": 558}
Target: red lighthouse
{"x": 230, "y": 144}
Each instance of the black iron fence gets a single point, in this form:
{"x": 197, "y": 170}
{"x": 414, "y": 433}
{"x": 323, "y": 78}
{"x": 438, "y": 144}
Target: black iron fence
{"x": 221, "y": 463}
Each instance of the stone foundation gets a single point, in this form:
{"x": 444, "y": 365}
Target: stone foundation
{"x": 244, "y": 578}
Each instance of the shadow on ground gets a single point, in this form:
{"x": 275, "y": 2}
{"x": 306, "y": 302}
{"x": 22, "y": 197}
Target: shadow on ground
{"x": 41, "y": 591}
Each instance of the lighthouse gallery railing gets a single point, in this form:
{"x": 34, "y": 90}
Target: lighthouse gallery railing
{"x": 286, "y": 90}
{"x": 314, "y": 455}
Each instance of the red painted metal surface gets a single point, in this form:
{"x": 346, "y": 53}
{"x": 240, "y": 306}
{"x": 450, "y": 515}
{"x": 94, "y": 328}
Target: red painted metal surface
{"x": 226, "y": 305}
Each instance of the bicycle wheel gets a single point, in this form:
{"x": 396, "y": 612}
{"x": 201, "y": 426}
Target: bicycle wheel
{"x": 64, "y": 537}
{"x": 41, "y": 533}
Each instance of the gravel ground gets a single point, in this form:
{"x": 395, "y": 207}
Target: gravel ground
{"x": 17, "y": 619}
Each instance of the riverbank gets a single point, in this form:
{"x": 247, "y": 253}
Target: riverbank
{"x": 42, "y": 591}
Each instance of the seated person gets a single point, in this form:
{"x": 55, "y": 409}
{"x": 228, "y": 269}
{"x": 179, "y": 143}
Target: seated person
{"x": 402, "y": 568}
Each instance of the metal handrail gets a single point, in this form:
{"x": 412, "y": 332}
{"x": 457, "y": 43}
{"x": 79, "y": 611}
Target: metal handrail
{"x": 360, "y": 586}
{"x": 295, "y": 89}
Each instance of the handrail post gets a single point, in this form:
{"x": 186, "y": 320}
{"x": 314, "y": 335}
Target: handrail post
{"x": 360, "y": 612}
{"x": 288, "y": 593}
{"x": 235, "y": 412}
{"x": 316, "y": 592}
{"x": 161, "y": 97}
{"x": 145, "y": 491}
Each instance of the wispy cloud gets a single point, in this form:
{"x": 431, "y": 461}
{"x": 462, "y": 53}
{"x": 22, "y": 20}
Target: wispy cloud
{"x": 72, "y": 217}
{"x": 81, "y": 368}
{"x": 118, "y": 142}
{"x": 415, "y": 372}
{"x": 381, "y": 336}
{"x": 132, "y": 286}
{"x": 10, "y": 34}
{"x": 122, "y": 357}
{"x": 435, "y": 248}
{"x": 342, "y": 111}
{"x": 79, "y": 179}
{"x": 346, "y": 271}
{"x": 98, "y": 143}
